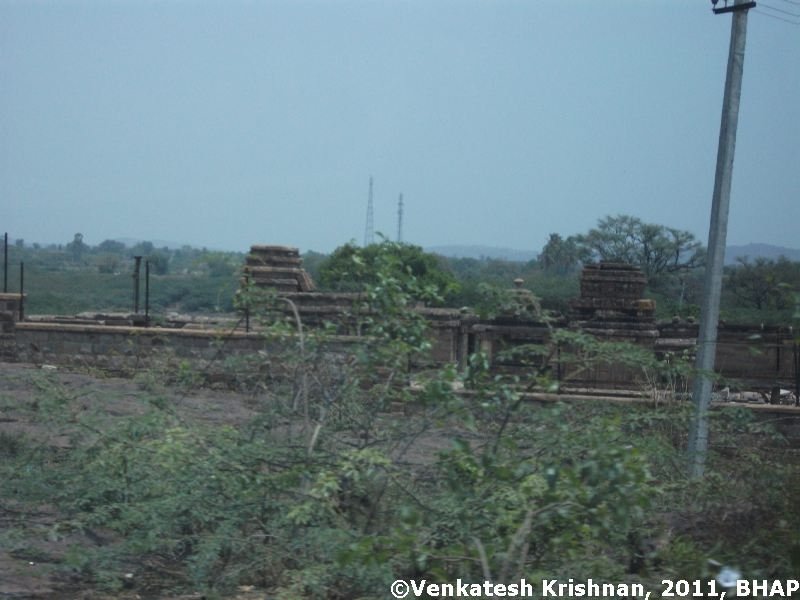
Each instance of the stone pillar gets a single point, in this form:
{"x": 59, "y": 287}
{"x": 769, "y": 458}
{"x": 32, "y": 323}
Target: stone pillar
{"x": 9, "y": 315}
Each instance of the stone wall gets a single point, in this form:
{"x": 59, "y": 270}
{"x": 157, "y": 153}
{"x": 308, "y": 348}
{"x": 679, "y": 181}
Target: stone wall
{"x": 130, "y": 350}
{"x": 125, "y": 350}
{"x": 610, "y": 307}
{"x": 753, "y": 355}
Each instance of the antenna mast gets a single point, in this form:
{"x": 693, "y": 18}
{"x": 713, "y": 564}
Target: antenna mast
{"x": 400, "y": 220}
{"x": 369, "y": 230}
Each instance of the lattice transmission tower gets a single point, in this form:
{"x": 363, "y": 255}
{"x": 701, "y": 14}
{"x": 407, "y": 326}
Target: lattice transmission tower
{"x": 400, "y": 219}
{"x": 369, "y": 229}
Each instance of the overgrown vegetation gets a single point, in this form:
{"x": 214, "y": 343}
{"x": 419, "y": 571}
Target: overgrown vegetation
{"x": 351, "y": 267}
{"x": 74, "y": 277}
{"x": 351, "y": 475}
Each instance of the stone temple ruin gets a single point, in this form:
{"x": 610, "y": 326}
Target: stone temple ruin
{"x": 279, "y": 268}
{"x": 611, "y": 307}
{"x": 612, "y": 303}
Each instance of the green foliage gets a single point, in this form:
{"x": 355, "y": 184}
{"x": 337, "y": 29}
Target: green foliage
{"x": 753, "y": 292}
{"x": 583, "y": 351}
{"x": 142, "y": 249}
{"x": 559, "y": 255}
{"x": 111, "y": 247}
{"x": 518, "y": 303}
{"x": 77, "y": 248}
{"x": 349, "y": 474}
{"x": 77, "y": 277}
{"x": 389, "y": 303}
{"x": 658, "y": 250}
{"x": 312, "y": 261}
{"x": 761, "y": 290}
{"x": 555, "y": 291}
{"x": 796, "y": 317}
{"x": 514, "y": 508}
{"x": 480, "y": 278}
{"x": 351, "y": 267}
{"x": 159, "y": 263}
{"x": 219, "y": 264}
{"x": 108, "y": 263}
{"x": 678, "y": 295}
{"x": 322, "y": 494}
{"x": 492, "y": 301}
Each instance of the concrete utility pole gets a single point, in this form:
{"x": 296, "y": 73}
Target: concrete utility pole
{"x": 712, "y": 287}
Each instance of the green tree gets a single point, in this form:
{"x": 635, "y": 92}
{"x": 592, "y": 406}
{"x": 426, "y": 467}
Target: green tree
{"x": 763, "y": 283}
{"x": 159, "y": 263}
{"x": 312, "y": 261}
{"x": 560, "y": 256}
{"x": 76, "y": 247}
{"x": 335, "y": 477}
{"x": 350, "y": 268}
{"x": 219, "y": 264}
{"x": 143, "y": 249}
{"x": 658, "y": 250}
{"x": 111, "y": 247}
{"x": 108, "y": 263}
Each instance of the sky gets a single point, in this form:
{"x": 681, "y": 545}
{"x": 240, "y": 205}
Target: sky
{"x": 229, "y": 123}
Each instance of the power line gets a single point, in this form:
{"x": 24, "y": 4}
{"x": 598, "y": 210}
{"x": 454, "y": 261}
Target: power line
{"x": 766, "y": 14}
{"x": 795, "y": 2}
{"x": 780, "y": 10}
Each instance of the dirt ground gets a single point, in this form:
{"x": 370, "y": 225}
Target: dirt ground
{"x": 28, "y": 567}
{"x": 32, "y": 550}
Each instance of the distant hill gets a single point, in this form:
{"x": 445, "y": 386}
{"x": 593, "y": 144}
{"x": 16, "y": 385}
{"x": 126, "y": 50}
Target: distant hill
{"x": 754, "y": 251}
{"x": 483, "y": 252}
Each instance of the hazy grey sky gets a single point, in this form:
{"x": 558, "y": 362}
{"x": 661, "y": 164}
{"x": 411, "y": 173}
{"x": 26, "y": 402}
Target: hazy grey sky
{"x": 224, "y": 124}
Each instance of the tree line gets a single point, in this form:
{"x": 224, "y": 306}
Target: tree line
{"x": 754, "y": 291}
{"x": 73, "y": 277}
{"x": 115, "y": 257}
{"x": 328, "y": 479}
{"x": 673, "y": 260}
{"x": 758, "y": 290}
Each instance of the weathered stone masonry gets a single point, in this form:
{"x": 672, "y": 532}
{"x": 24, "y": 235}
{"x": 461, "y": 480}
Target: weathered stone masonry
{"x": 610, "y": 307}
{"x": 9, "y": 315}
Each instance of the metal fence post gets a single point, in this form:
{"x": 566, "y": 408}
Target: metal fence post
{"x": 21, "y": 291}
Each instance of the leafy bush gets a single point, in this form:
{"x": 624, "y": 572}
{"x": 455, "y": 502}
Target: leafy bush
{"x": 347, "y": 477}
{"x": 351, "y": 267}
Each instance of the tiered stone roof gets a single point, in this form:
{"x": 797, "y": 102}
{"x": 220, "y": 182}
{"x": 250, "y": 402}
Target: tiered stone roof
{"x": 611, "y": 301}
{"x": 279, "y": 268}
